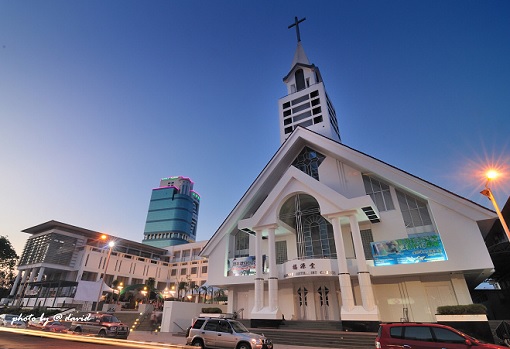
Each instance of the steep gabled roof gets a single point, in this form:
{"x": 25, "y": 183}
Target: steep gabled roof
{"x": 300, "y": 137}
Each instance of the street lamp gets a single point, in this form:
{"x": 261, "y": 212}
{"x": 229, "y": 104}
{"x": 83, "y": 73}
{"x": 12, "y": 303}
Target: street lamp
{"x": 110, "y": 245}
{"x": 488, "y": 193}
{"x": 120, "y": 287}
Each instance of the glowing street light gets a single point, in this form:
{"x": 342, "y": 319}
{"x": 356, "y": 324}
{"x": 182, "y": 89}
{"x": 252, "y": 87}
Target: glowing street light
{"x": 120, "y": 287}
{"x": 492, "y": 174}
{"x": 110, "y": 245}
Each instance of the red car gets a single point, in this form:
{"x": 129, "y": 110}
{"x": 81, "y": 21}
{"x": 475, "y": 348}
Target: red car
{"x": 54, "y": 326}
{"x": 426, "y": 336}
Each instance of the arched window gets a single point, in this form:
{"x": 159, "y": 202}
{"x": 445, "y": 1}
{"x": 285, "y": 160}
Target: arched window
{"x": 314, "y": 233}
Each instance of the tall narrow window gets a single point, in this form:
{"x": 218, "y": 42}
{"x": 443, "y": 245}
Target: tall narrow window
{"x": 300, "y": 79}
{"x": 242, "y": 244}
{"x": 414, "y": 211}
{"x": 379, "y": 192}
{"x": 366, "y": 239}
{"x": 281, "y": 252}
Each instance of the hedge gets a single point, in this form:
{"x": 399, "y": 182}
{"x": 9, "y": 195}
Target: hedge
{"x": 462, "y": 309}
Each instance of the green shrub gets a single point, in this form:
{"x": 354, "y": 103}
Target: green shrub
{"x": 466, "y": 309}
{"x": 211, "y": 310}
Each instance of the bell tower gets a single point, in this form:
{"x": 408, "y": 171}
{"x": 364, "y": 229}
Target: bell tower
{"x": 307, "y": 103}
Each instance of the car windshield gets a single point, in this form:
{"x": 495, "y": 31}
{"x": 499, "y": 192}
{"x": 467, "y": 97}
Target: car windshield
{"x": 110, "y": 318}
{"x": 238, "y": 327}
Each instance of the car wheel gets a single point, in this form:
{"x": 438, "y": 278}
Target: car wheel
{"x": 77, "y": 330}
{"x": 198, "y": 343}
{"x": 244, "y": 346}
{"x": 101, "y": 333}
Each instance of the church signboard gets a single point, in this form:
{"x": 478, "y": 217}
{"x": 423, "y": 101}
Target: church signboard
{"x": 428, "y": 248}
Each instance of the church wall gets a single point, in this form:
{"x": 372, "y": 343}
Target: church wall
{"x": 342, "y": 178}
{"x": 420, "y": 295}
{"x": 286, "y": 301}
{"x": 291, "y": 245}
{"x": 218, "y": 261}
{"x": 460, "y": 235}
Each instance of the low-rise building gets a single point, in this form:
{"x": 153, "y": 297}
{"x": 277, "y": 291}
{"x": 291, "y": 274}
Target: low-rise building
{"x": 63, "y": 264}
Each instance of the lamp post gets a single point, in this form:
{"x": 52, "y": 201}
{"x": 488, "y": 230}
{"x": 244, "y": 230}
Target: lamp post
{"x": 488, "y": 193}
{"x": 101, "y": 279}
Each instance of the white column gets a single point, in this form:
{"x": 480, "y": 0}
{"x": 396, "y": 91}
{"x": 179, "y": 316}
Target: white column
{"x": 273, "y": 272}
{"x": 23, "y": 286}
{"x": 259, "y": 277}
{"x": 40, "y": 274}
{"x": 343, "y": 272}
{"x": 365, "y": 283}
{"x": 15, "y": 285}
{"x": 31, "y": 278}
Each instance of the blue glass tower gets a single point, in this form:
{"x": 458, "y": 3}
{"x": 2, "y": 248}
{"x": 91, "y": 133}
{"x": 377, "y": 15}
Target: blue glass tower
{"x": 173, "y": 213}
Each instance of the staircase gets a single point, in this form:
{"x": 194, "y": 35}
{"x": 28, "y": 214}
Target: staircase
{"x": 326, "y": 334}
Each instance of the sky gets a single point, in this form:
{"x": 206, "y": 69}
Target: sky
{"x": 99, "y": 100}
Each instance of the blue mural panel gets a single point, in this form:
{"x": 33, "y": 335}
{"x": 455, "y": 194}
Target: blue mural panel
{"x": 421, "y": 249}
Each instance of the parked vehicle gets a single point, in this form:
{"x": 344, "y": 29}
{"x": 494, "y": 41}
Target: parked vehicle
{"x": 426, "y": 336}
{"x": 54, "y": 326}
{"x": 101, "y": 325}
{"x": 10, "y": 320}
{"x": 224, "y": 333}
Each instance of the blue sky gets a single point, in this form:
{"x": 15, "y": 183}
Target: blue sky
{"x": 101, "y": 99}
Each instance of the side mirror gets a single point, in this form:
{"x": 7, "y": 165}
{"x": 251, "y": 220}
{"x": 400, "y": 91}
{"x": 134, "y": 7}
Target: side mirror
{"x": 468, "y": 342}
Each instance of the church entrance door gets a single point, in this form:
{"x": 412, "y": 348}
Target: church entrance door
{"x": 322, "y": 301}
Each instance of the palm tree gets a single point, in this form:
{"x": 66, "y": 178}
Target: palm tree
{"x": 183, "y": 286}
{"x": 204, "y": 288}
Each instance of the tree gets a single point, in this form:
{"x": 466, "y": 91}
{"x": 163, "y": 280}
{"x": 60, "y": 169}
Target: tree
{"x": 8, "y": 260}
{"x": 183, "y": 286}
{"x": 204, "y": 288}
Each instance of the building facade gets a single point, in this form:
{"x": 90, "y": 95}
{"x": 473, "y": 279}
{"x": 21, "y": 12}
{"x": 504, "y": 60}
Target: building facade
{"x": 173, "y": 213}
{"x": 66, "y": 265}
{"x": 327, "y": 232}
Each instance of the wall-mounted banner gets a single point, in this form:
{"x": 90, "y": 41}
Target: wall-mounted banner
{"x": 244, "y": 265}
{"x": 427, "y": 248}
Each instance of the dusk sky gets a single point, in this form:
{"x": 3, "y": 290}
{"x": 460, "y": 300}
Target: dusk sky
{"x": 99, "y": 100}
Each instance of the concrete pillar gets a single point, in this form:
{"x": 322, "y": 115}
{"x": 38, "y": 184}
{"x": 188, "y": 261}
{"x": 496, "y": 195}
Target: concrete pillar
{"x": 16, "y": 284}
{"x": 365, "y": 283}
{"x": 273, "y": 272}
{"x": 259, "y": 277}
{"x": 344, "y": 278}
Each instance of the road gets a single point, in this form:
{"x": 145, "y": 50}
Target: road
{"x": 33, "y": 339}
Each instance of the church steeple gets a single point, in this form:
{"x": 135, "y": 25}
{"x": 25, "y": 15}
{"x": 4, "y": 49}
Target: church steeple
{"x": 307, "y": 103}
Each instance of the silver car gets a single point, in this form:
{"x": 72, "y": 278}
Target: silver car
{"x": 11, "y": 320}
{"x": 222, "y": 333}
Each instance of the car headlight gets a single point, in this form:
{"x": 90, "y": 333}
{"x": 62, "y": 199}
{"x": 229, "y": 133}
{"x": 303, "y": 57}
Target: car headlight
{"x": 256, "y": 341}
{"x": 113, "y": 328}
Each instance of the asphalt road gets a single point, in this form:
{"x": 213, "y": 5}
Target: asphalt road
{"x": 33, "y": 339}
{"x": 11, "y": 340}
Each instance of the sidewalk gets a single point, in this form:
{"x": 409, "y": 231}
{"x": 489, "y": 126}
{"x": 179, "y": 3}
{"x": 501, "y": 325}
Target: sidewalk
{"x": 168, "y": 338}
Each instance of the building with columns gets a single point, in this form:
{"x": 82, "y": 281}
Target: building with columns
{"x": 62, "y": 264}
{"x": 326, "y": 232}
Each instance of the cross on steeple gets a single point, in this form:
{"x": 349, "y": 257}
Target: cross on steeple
{"x": 296, "y": 24}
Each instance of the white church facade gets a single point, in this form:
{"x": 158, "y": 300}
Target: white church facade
{"x": 326, "y": 232}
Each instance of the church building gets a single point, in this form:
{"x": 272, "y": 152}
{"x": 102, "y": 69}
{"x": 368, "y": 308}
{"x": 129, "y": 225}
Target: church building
{"x": 326, "y": 232}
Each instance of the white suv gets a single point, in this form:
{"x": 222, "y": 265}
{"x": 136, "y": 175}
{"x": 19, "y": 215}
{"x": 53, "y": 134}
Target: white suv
{"x": 222, "y": 333}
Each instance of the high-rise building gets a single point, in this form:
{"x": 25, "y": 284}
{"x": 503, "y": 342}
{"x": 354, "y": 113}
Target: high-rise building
{"x": 173, "y": 213}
